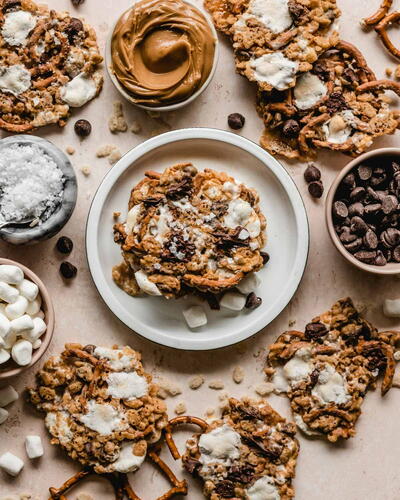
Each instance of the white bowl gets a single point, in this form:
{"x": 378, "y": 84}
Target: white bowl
{"x": 161, "y": 320}
{"x": 170, "y": 107}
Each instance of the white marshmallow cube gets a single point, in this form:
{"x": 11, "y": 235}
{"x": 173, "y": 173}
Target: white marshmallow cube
{"x": 3, "y": 415}
{"x": 8, "y": 395}
{"x": 195, "y": 316}
{"x": 11, "y": 464}
{"x": 391, "y": 308}
{"x": 5, "y": 325}
{"x": 8, "y": 293}
{"x": 34, "y": 446}
{"x": 9, "y": 339}
{"x": 4, "y": 356}
{"x": 17, "y": 309}
{"x": 34, "y": 306}
{"x": 12, "y": 275}
{"x": 21, "y": 324}
{"x": 21, "y": 352}
{"x": 28, "y": 289}
{"x": 39, "y": 327}
{"x": 233, "y": 301}
{"x": 249, "y": 283}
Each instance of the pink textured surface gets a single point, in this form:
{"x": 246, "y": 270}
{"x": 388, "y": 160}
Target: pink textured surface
{"x": 364, "y": 468}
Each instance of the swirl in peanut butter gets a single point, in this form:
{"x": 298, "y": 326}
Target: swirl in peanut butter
{"x": 162, "y": 51}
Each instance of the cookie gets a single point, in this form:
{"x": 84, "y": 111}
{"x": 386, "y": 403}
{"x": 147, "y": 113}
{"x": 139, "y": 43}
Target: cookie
{"x": 327, "y": 370}
{"x": 100, "y": 406}
{"x": 189, "y": 231}
{"x": 337, "y": 105}
{"x": 48, "y": 64}
{"x": 276, "y": 40}
{"x": 250, "y": 452}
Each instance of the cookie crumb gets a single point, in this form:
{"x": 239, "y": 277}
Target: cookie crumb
{"x": 114, "y": 156}
{"x": 217, "y": 385}
{"x": 389, "y": 72}
{"x": 196, "y": 382}
{"x": 70, "y": 150}
{"x": 105, "y": 150}
{"x": 84, "y": 496}
{"x": 180, "y": 408}
{"x": 85, "y": 170}
{"x": 117, "y": 122}
{"x": 238, "y": 375}
{"x": 116, "y": 215}
{"x": 397, "y": 72}
{"x": 209, "y": 412}
{"x": 264, "y": 388}
{"x": 292, "y": 322}
{"x": 167, "y": 388}
{"x": 136, "y": 128}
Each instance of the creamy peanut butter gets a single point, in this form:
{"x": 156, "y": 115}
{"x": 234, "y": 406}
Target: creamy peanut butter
{"x": 162, "y": 51}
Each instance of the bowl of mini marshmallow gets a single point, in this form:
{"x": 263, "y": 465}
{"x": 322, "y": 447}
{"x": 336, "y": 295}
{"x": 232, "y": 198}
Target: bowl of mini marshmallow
{"x": 26, "y": 318}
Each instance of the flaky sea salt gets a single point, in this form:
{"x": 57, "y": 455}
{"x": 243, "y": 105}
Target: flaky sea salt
{"x": 31, "y": 183}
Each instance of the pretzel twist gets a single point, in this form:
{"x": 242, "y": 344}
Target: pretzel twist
{"x": 183, "y": 420}
{"x": 382, "y": 28}
{"x": 378, "y": 15}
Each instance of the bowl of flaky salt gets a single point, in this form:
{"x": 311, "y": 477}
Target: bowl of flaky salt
{"x": 38, "y": 189}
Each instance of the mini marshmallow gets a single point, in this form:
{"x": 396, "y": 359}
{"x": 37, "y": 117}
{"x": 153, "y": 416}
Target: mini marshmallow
{"x": 391, "y": 308}
{"x": 11, "y": 464}
{"x": 34, "y": 447}
{"x": 17, "y": 309}
{"x": 195, "y": 316}
{"x": 2, "y": 343}
{"x": 3, "y": 415}
{"x": 5, "y": 325}
{"x": 39, "y": 327}
{"x": 21, "y": 352}
{"x": 25, "y": 322}
{"x": 4, "y": 356}
{"x": 9, "y": 339}
{"x": 12, "y": 275}
{"x": 234, "y": 301}
{"x": 8, "y": 395}
{"x": 37, "y": 344}
{"x": 249, "y": 283}
{"x": 8, "y": 293}
{"x": 34, "y": 306}
{"x": 28, "y": 289}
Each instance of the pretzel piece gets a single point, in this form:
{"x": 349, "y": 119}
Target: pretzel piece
{"x": 383, "y": 11}
{"x": 382, "y": 28}
{"x": 380, "y": 85}
{"x": 183, "y": 420}
{"x": 178, "y": 487}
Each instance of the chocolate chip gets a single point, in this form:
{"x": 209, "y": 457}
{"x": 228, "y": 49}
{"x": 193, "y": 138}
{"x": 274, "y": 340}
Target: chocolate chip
{"x": 375, "y": 195}
{"x": 312, "y": 174}
{"x": 380, "y": 259}
{"x": 372, "y": 209}
{"x": 225, "y": 489}
{"x": 370, "y": 240}
{"x": 191, "y": 465}
{"x": 357, "y": 194}
{"x": 252, "y": 301}
{"x": 339, "y": 210}
{"x": 347, "y": 236}
{"x": 365, "y": 256}
{"x": 358, "y": 226}
{"x": 396, "y": 254}
{"x": 64, "y": 245}
{"x": 77, "y": 2}
{"x": 90, "y": 348}
{"x": 298, "y": 12}
{"x": 364, "y": 172}
{"x": 354, "y": 246}
{"x": 349, "y": 180}
{"x": 236, "y": 121}
{"x": 316, "y": 189}
{"x": 74, "y": 28}
{"x": 391, "y": 237}
{"x": 82, "y": 128}
{"x": 336, "y": 103}
{"x": 315, "y": 331}
{"x": 389, "y": 204}
{"x": 291, "y": 129}
{"x": 68, "y": 270}
{"x": 243, "y": 55}
{"x": 265, "y": 257}
{"x": 242, "y": 474}
{"x": 356, "y": 209}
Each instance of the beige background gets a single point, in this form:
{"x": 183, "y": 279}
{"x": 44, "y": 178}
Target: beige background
{"x": 364, "y": 468}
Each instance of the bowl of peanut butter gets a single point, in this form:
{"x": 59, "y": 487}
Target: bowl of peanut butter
{"x": 162, "y": 54}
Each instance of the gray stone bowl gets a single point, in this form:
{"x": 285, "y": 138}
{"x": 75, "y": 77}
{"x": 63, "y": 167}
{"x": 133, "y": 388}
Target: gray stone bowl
{"x": 58, "y": 219}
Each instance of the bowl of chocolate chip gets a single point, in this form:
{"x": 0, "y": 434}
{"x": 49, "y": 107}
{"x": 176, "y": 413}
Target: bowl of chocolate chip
{"x": 363, "y": 212}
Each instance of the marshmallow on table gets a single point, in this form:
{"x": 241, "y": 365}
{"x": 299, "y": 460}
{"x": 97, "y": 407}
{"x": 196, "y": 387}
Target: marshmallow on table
{"x": 4, "y": 356}
{"x": 12, "y": 275}
{"x": 34, "y": 306}
{"x": 8, "y": 293}
{"x": 391, "y": 308}
{"x": 8, "y": 395}
{"x": 233, "y": 301}
{"x": 195, "y": 316}
{"x": 11, "y": 464}
{"x": 3, "y": 415}
{"x": 17, "y": 308}
{"x": 249, "y": 283}
{"x": 21, "y": 352}
{"x": 34, "y": 447}
{"x": 28, "y": 289}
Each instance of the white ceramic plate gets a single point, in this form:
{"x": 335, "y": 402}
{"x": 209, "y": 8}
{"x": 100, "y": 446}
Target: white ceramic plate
{"x": 161, "y": 320}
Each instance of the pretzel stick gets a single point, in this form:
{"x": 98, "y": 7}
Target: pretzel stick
{"x": 381, "y": 29}
{"x": 58, "y": 493}
{"x": 127, "y": 489}
{"x": 178, "y": 488}
{"x": 379, "y": 14}
{"x": 185, "y": 419}
{"x": 380, "y": 85}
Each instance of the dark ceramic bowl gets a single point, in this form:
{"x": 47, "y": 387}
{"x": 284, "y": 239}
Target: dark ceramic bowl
{"x": 58, "y": 219}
